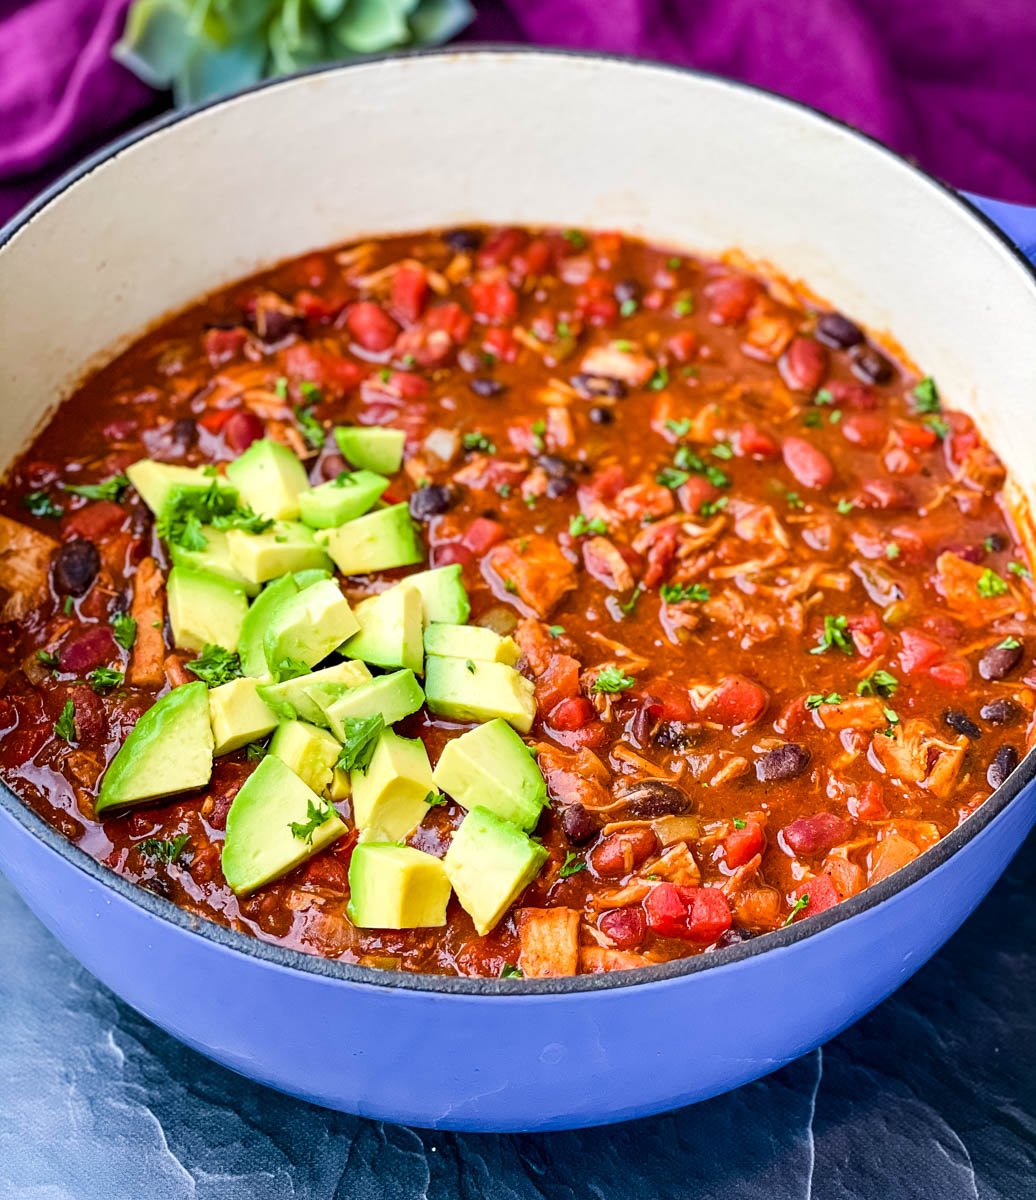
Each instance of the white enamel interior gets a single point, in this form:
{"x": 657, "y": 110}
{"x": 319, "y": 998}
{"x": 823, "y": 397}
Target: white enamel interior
{"x": 525, "y": 137}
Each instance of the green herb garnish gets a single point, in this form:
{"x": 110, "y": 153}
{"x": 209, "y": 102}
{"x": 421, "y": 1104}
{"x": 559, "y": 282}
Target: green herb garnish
{"x": 479, "y": 441}
{"x": 103, "y": 679}
{"x": 65, "y": 725}
{"x": 164, "y": 850}
{"x": 926, "y": 396}
{"x": 878, "y": 683}
{"x": 612, "y": 680}
{"x": 216, "y": 665}
{"x": 573, "y": 864}
{"x": 316, "y": 815}
{"x": 679, "y": 593}
{"x": 818, "y": 698}
{"x": 801, "y": 903}
{"x": 124, "y": 629}
{"x": 835, "y": 636}
{"x": 990, "y": 584}
{"x": 579, "y": 525}
{"x": 361, "y": 738}
{"x": 41, "y": 505}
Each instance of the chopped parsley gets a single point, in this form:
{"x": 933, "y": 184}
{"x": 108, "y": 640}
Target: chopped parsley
{"x": 990, "y": 584}
{"x": 670, "y": 477}
{"x": 628, "y": 307}
{"x": 835, "y": 636}
{"x": 103, "y": 679}
{"x": 794, "y": 500}
{"x": 1009, "y": 643}
{"x": 680, "y": 428}
{"x": 801, "y": 903}
{"x": 539, "y": 428}
{"x": 926, "y": 396}
{"x": 41, "y": 505}
{"x": 722, "y": 450}
{"x": 1019, "y": 569}
{"x": 555, "y": 631}
{"x": 510, "y": 971}
{"x": 659, "y": 380}
{"x": 579, "y": 525}
{"x": 710, "y": 508}
{"x": 255, "y": 751}
{"x": 511, "y": 587}
{"x": 878, "y": 683}
{"x": 674, "y": 263}
{"x": 479, "y": 441}
{"x": 361, "y": 737}
{"x": 679, "y": 593}
{"x": 937, "y": 425}
{"x": 629, "y": 605}
{"x": 280, "y": 387}
{"x": 892, "y": 551}
{"x": 739, "y": 823}
{"x": 111, "y": 489}
{"x": 575, "y": 238}
{"x": 48, "y": 658}
{"x": 612, "y": 680}
{"x": 216, "y": 665}
{"x": 313, "y": 433}
{"x": 164, "y": 850}
{"x": 124, "y": 629}
{"x": 573, "y": 864}
{"x": 68, "y": 604}
{"x": 346, "y": 479}
{"x": 65, "y": 725}
{"x": 434, "y": 799}
{"x": 684, "y": 306}
{"x": 811, "y": 418}
{"x": 819, "y": 698}
{"x": 291, "y": 668}
{"x": 845, "y": 507}
{"x": 503, "y": 490}
{"x": 316, "y": 815}
{"x": 187, "y": 511}
{"x": 824, "y": 396}
{"x": 470, "y": 666}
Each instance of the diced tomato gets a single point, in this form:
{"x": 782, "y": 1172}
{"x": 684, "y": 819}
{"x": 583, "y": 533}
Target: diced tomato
{"x": 315, "y": 307}
{"x": 500, "y": 246}
{"x": 742, "y": 845}
{"x": 222, "y": 344}
{"x": 809, "y": 464}
{"x": 918, "y": 651}
{"x": 757, "y": 442}
{"x": 730, "y": 297}
{"x": 482, "y": 534}
{"x": 607, "y": 483}
{"x": 501, "y": 344}
{"x": 822, "y": 895}
{"x": 666, "y": 700}
{"x": 494, "y": 300}
{"x": 560, "y": 681}
{"x": 815, "y": 834}
{"x": 696, "y": 492}
{"x": 448, "y": 553}
{"x": 963, "y": 436}
{"x": 660, "y": 555}
{"x": 869, "y": 636}
{"x": 241, "y": 428}
{"x": 94, "y": 521}
{"x": 311, "y": 272}
{"x": 535, "y": 259}
{"x": 696, "y": 914}
{"x": 682, "y": 346}
{"x": 955, "y": 673}
{"x": 914, "y": 436}
{"x": 591, "y": 736}
{"x": 215, "y": 419}
{"x": 850, "y": 394}
{"x": 409, "y": 292}
{"x": 371, "y": 326}
{"x": 734, "y": 701}
{"x": 869, "y": 802}
{"x": 326, "y": 368}
{"x": 864, "y": 429}
{"x": 450, "y": 319}
{"x": 595, "y": 301}
{"x": 571, "y": 714}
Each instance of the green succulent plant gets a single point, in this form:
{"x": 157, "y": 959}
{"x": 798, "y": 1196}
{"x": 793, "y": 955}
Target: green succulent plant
{"x": 203, "y": 48}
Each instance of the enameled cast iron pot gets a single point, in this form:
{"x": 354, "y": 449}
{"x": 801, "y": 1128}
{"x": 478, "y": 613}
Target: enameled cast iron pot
{"x": 202, "y": 198}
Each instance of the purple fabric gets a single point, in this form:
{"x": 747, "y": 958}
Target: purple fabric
{"x": 950, "y": 84}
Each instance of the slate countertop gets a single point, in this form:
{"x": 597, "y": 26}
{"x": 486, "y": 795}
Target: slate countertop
{"x": 932, "y": 1096}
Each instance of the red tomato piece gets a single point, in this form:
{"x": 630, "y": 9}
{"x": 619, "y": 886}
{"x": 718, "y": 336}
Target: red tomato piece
{"x": 482, "y": 534}
{"x": 810, "y": 465}
{"x": 571, "y": 714}
{"x": 500, "y": 246}
{"x": 371, "y": 326}
{"x": 869, "y": 637}
{"x": 222, "y": 344}
{"x": 869, "y": 803}
{"x": 315, "y": 307}
{"x": 743, "y": 845}
{"x": 501, "y": 344}
{"x": 918, "y": 651}
{"x": 494, "y": 300}
{"x": 886, "y": 494}
{"x": 409, "y": 292}
{"x": 955, "y": 673}
{"x": 822, "y": 894}
{"x": 695, "y": 914}
{"x": 94, "y": 521}
{"x": 447, "y": 554}
{"x": 325, "y": 368}
{"x": 560, "y": 681}
{"x": 914, "y": 436}
{"x": 734, "y": 701}
{"x": 696, "y": 492}
{"x": 757, "y": 442}
{"x": 666, "y": 700}
{"x": 681, "y": 346}
{"x": 535, "y": 259}
{"x": 660, "y": 555}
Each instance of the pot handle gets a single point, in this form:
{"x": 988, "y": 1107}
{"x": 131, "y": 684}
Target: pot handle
{"x": 1018, "y": 221}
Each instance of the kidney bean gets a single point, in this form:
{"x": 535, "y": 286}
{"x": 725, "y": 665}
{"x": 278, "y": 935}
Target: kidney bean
{"x": 624, "y": 926}
{"x": 462, "y": 240}
{"x": 1004, "y": 762}
{"x": 431, "y": 501}
{"x": 810, "y": 466}
{"x": 730, "y": 297}
{"x": 75, "y": 567}
{"x": 865, "y": 429}
{"x": 870, "y": 366}
{"x": 837, "y": 331}
{"x": 653, "y": 798}
{"x": 91, "y": 719}
{"x": 804, "y": 364}
{"x": 87, "y": 649}
{"x": 371, "y": 326}
{"x": 962, "y": 723}
{"x": 783, "y": 762}
{"x": 999, "y": 661}
{"x": 885, "y": 494}
{"x": 241, "y": 429}
{"x": 1000, "y": 712}
{"x": 811, "y": 835}
{"x": 621, "y": 853}
{"x": 579, "y": 824}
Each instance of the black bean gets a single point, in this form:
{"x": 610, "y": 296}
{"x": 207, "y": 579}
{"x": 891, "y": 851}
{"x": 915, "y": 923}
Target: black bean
{"x": 1000, "y": 712}
{"x": 560, "y": 485}
{"x": 578, "y": 824}
{"x": 75, "y": 567}
{"x": 1004, "y": 762}
{"x": 627, "y": 289}
{"x": 783, "y": 762}
{"x": 589, "y": 386}
{"x": 671, "y": 735}
{"x": 1000, "y": 660}
{"x": 735, "y": 936}
{"x": 483, "y": 386}
{"x": 870, "y": 366}
{"x": 995, "y": 542}
{"x": 460, "y": 240}
{"x": 274, "y": 324}
{"x": 962, "y": 723}
{"x": 431, "y": 501}
{"x": 469, "y": 361}
{"x": 601, "y": 416}
{"x": 653, "y": 798}
{"x": 837, "y": 331}
{"x": 555, "y": 466}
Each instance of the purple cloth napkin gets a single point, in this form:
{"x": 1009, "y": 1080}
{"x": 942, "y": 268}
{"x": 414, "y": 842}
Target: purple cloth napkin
{"x": 949, "y": 84}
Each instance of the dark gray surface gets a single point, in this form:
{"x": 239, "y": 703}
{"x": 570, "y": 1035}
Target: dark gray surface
{"x": 933, "y": 1096}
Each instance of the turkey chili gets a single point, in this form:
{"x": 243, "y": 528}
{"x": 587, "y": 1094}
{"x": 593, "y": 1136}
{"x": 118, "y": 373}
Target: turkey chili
{"x": 501, "y": 602}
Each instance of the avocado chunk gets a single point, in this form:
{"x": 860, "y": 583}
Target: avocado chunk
{"x": 379, "y": 541}
{"x": 493, "y": 768}
{"x": 274, "y": 823}
{"x": 204, "y": 609}
{"x": 286, "y": 546}
{"x": 169, "y": 750}
{"x": 390, "y": 798}
{"x": 443, "y": 594}
{"x": 490, "y": 863}
{"x": 292, "y": 698}
{"x": 310, "y": 752}
{"x": 238, "y": 715}
{"x": 391, "y": 625}
{"x": 214, "y": 557}
{"x": 371, "y": 447}
{"x": 155, "y": 481}
{"x": 396, "y": 887}
{"x": 269, "y": 478}
{"x": 394, "y": 696}
{"x": 470, "y": 641}
{"x": 309, "y": 626}
{"x": 469, "y": 689}
{"x": 350, "y": 495}
{"x": 261, "y": 612}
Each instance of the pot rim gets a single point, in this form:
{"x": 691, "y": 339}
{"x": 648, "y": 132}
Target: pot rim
{"x": 671, "y": 972}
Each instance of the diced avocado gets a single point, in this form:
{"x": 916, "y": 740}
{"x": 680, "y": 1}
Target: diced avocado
{"x": 311, "y": 575}
{"x": 285, "y": 546}
{"x": 371, "y": 447}
{"x": 274, "y": 823}
{"x": 269, "y": 478}
{"x": 490, "y": 863}
{"x": 341, "y": 785}
{"x": 204, "y": 609}
{"x": 493, "y": 768}
{"x": 169, "y": 750}
{"x": 379, "y": 541}
{"x": 391, "y": 624}
{"x": 238, "y": 715}
{"x": 395, "y": 696}
{"x": 341, "y": 499}
{"x": 390, "y": 798}
{"x": 262, "y": 611}
{"x": 310, "y": 752}
{"x": 156, "y": 480}
{"x": 309, "y": 626}
{"x": 214, "y": 558}
{"x": 467, "y": 689}
{"x": 292, "y": 697}
{"x": 443, "y": 594}
{"x": 396, "y": 887}
{"x": 470, "y": 641}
